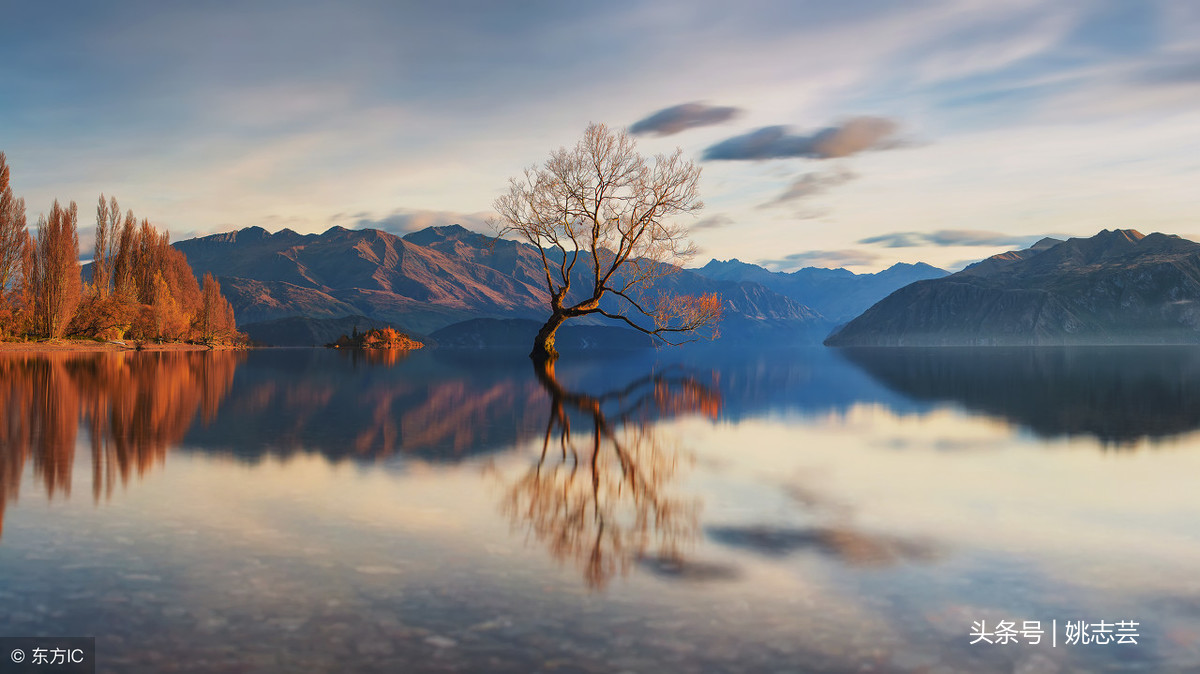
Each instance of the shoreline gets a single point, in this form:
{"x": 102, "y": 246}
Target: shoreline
{"x": 89, "y": 346}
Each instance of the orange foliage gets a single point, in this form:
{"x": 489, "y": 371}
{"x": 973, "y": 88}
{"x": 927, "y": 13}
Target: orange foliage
{"x": 55, "y": 273}
{"x": 379, "y": 338}
{"x": 13, "y": 243}
{"x": 154, "y": 293}
{"x": 141, "y": 286}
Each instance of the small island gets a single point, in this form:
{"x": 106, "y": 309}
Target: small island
{"x": 379, "y": 338}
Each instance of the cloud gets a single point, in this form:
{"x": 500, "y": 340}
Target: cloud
{"x": 854, "y": 135}
{"x": 402, "y": 221}
{"x": 951, "y": 237}
{"x": 713, "y": 222}
{"x": 811, "y": 184}
{"x": 1174, "y": 72}
{"x": 822, "y": 258}
{"x": 683, "y": 117}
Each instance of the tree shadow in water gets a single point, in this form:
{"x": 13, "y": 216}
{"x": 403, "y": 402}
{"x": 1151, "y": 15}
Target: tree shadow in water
{"x": 599, "y": 495}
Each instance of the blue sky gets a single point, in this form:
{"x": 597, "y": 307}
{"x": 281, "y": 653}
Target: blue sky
{"x": 851, "y": 133}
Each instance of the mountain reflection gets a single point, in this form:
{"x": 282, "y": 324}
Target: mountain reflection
{"x": 599, "y": 494}
{"x": 1115, "y": 394}
{"x": 135, "y": 406}
{"x": 286, "y": 402}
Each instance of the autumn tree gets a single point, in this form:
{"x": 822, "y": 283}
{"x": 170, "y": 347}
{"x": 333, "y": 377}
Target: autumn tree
{"x": 170, "y": 320}
{"x": 601, "y": 215}
{"x": 56, "y": 274}
{"x": 13, "y": 239}
{"x": 101, "y": 312}
{"x": 214, "y": 322}
{"x": 141, "y": 285}
{"x": 108, "y": 223}
{"x": 122, "y": 271}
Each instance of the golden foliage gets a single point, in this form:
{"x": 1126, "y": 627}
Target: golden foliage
{"x": 56, "y": 276}
{"x": 379, "y": 338}
{"x": 141, "y": 286}
{"x": 13, "y": 242}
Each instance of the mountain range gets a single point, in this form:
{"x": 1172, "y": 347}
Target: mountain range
{"x": 1117, "y": 287}
{"x": 837, "y": 294}
{"x": 434, "y": 278}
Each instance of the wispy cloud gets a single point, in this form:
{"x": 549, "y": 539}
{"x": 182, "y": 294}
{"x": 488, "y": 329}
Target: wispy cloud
{"x": 854, "y": 135}
{"x": 811, "y": 184}
{"x": 402, "y": 221}
{"x": 713, "y": 222}
{"x": 682, "y": 117}
{"x": 822, "y": 258}
{"x": 951, "y": 237}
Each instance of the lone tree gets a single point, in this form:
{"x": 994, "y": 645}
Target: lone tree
{"x": 599, "y": 214}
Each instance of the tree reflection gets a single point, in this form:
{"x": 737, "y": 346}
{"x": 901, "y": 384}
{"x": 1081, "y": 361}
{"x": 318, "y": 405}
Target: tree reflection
{"x": 135, "y": 407}
{"x": 599, "y": 495}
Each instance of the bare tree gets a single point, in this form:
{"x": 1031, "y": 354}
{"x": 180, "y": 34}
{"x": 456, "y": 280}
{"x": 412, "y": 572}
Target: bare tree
{"x": 599, "y": 213}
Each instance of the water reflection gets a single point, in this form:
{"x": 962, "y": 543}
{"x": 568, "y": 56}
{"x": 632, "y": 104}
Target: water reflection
{"x": 327, "y": 514}
{"x": 599, "y": 495}
{"x": 1115, "y": 394}
{"x": 134, "y": 407}
{"x": 841, "y": 542}
{"x": 289, "y": 402}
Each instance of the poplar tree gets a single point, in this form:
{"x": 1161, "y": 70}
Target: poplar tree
{"x": 56, "y": 274}
{"x": 12, "y": 237}
{"x": 108, "y": 223}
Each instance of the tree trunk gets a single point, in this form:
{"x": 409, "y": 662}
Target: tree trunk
{"x": 543, "y": 344}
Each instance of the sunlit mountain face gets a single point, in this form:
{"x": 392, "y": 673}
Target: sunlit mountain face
{"x": 435, "y": 278}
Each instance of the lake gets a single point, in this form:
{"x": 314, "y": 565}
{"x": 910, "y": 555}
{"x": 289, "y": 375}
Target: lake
{"x": 699, "y": 510}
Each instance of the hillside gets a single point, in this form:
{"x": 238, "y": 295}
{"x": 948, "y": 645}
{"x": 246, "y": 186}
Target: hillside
{"x": 1118, "y": 287}
{"x": 837, "y": 294}
{"x": 435, "y": 278}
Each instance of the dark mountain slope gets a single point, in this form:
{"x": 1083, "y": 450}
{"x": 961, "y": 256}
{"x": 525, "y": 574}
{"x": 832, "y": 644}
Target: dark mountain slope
{"x": 1115, "y": 287}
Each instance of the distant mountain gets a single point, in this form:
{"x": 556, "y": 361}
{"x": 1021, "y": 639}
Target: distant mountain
{"x": 434, "y": 278}
{"x": 1118, "y": 287}
{"x": 837, "y": 294}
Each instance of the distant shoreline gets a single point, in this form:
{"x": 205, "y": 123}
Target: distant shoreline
{"x": 90, "y": 346}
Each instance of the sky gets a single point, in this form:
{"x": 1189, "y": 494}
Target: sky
{"x": 855, "y": 134}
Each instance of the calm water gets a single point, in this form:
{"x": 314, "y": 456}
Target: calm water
{"x": 797, "y": 511}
